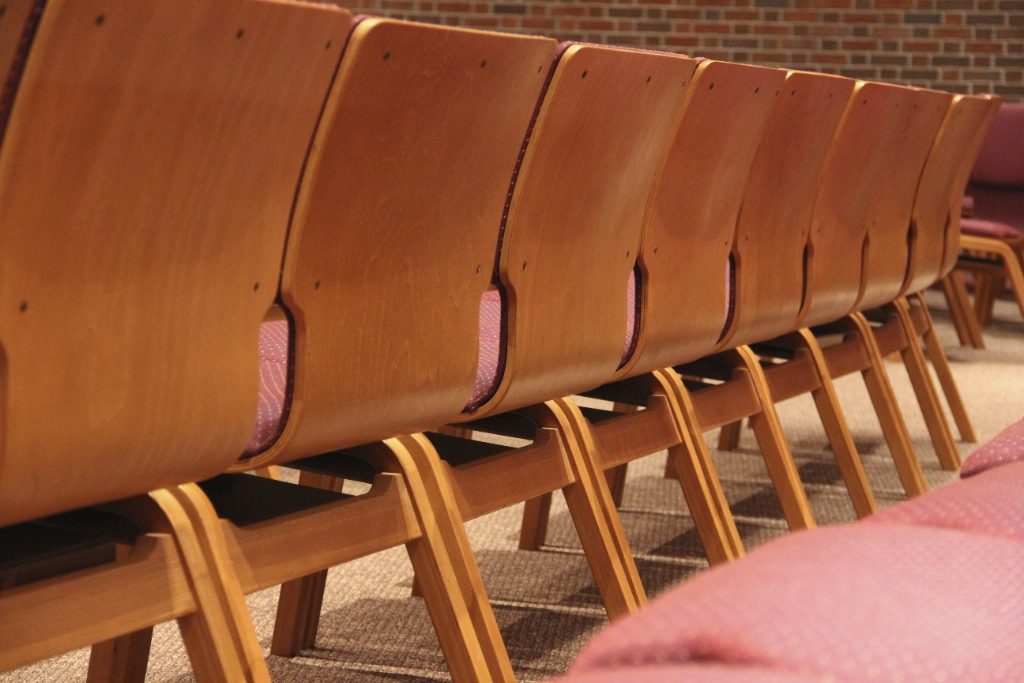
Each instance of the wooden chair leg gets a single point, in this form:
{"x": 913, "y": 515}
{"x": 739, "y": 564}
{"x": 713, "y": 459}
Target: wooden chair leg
{"x": 986, "y": 288}
{"x": 300, "y": 602}
{"x": 593, "y": 512}
{"x": 443, "y": 562}
{"x": 120, "y": 660}
{"x": 616, "y": 478}
{"x": 937, "y": 356}
{"x": 965, "y": 320}
{"x": 774, "y": 449}
{"x": 534, "y": 530}
{"x": 838, "y": 432}
{"x": 219, "y": 637}
{"x": 924, "y": 389}
{"x": 729, "y": 436}
{"x": 883, "y": 398}
{"x": 691, "y": 463}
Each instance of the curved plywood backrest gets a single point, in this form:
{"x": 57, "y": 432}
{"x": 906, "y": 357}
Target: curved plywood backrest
{"x": 891, "y": 231}
{"x": 865, "y": 147}
{"x": 146, "y": 181}
{"x": 396, "y": 228}
{"x": 937, "y": 204}
{"x": 775, "y": 220}
{"x": 951, "y": 250}
{"x": 690, "y": 226}
{"x": 573, "y": 230}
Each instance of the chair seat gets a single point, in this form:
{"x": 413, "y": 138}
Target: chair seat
{"x": 273, "y": 368}
{"x": 879, "y": 602}
{"x": 983, "y": 228}
{"x": 1005, "y": 448}
{"x": 990, "y": 503}
{"x": 690, "y": 673}
{"x": 490, "y": 358}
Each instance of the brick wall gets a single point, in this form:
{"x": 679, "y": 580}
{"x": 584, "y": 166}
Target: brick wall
{"x": 960, "y": 45}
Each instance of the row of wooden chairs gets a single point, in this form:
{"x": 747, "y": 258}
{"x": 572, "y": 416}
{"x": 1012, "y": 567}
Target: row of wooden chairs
{"x": 183, "y": 183}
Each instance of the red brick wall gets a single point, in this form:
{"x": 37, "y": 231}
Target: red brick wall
{"x": 961, "y": 45}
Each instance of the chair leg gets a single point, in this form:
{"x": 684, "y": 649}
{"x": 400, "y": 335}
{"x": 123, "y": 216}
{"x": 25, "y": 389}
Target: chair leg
{"x": 691, "y": 464}
{"x": 300, "y": 601}
{"x": 924, "y": 389}
{"x": 774, "y": 449}
{"x": 883, "y": 398}
{"x": 219, "y": 636}
{"x": 593, "y": 512}
{"x": 965, "y": 320}
{"x": 937, "y": 356}
{"x": 729, "y": 436}
{"x": 444, "y": 565}
{"x": 123, "y": 659}
{"x": 986, "y": 288}
{"x": 838, "y": 432}
{"x": 534, "y": 530}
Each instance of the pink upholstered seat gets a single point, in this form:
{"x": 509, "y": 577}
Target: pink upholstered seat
{"x": 273, "y": 353}
{"x": 1001, "y": 158}
{"x": 986, "y": 228}
{"x": 490, "y": 359}
{"x": 690, "y": 673}
{"x": 878, "y": 602}
{"x": 991, "y": 503}
{"x": 1006, "y": 447}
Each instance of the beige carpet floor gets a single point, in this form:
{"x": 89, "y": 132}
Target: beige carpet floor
{"x": 372, "y": 630}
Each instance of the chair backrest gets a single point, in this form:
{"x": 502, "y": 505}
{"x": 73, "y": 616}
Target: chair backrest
{"x": 892, "y": 232}
{"x": 574, "y": 227}
{"x": 937, "y": 204}
{"x": 1001, "y": 159}
{"x": 866, "y": 146}
{"x": 691, "y": 222}
{"x": 146, "y": 180}
{"x": 775, "y": 221}
{"x": 396, "y": 228}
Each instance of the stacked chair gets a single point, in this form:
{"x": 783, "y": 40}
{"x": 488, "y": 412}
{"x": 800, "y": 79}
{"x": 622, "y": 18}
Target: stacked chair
{"x": 251, "y": 234}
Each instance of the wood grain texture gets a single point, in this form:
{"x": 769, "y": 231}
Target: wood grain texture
{"x": 574, "y": 225}
{"x": 12, "y": 25}
{"x": 866, "y": 146}
{"x": 692, "y": 219}
{"x": 396, "y": 228}
{"x": 775, "y": 220}
{"x": 146, "y": 180}
{"x": 937, "y": 204}
{"x": 892, "y": 233}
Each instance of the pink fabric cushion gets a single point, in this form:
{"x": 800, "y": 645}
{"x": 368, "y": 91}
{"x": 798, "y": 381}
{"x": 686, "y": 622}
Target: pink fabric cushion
{"x": 1001, "y": 159}
{"x": 990, "y": 503}
{"x": 967, "y": 205}
{"x": 1006, "y": 447}
{"x": 984, "y": 228}
{"x": 689, "y": 673}
{"x": 273, "y": 368}
{"x": 879, "y": 602}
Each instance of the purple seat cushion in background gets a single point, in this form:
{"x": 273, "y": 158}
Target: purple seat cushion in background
{"x": 273, "y": 368}
{"x": 878, "y": 602}
{"x": 690, "y": 673}
{"x": 1001, "y": 158}
{"x": 980, "y": 227}
{"x": 1006, "y": 447}
{"x": 991, "y": 503}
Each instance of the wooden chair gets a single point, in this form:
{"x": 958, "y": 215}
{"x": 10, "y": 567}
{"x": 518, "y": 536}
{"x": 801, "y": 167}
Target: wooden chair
{"x": 993, "y": 237}
{"x": 146, "y": 178}
{"x": 592, "y": 154}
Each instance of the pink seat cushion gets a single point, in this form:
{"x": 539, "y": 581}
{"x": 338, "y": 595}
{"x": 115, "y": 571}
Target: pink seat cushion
{"x": 878, "y": 602}
{"x": 490, "y": 355}
{"x": 990, "y": 503}
{"x": 1006, "y": 447}
{"x": 689, "y": 673}
{"x": 1001, "y": 158}
{"x": 273, "y": 368}
{"x": 980, "y": 227}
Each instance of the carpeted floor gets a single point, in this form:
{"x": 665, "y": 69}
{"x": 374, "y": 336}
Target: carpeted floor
{"x": 547, "y": 607}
